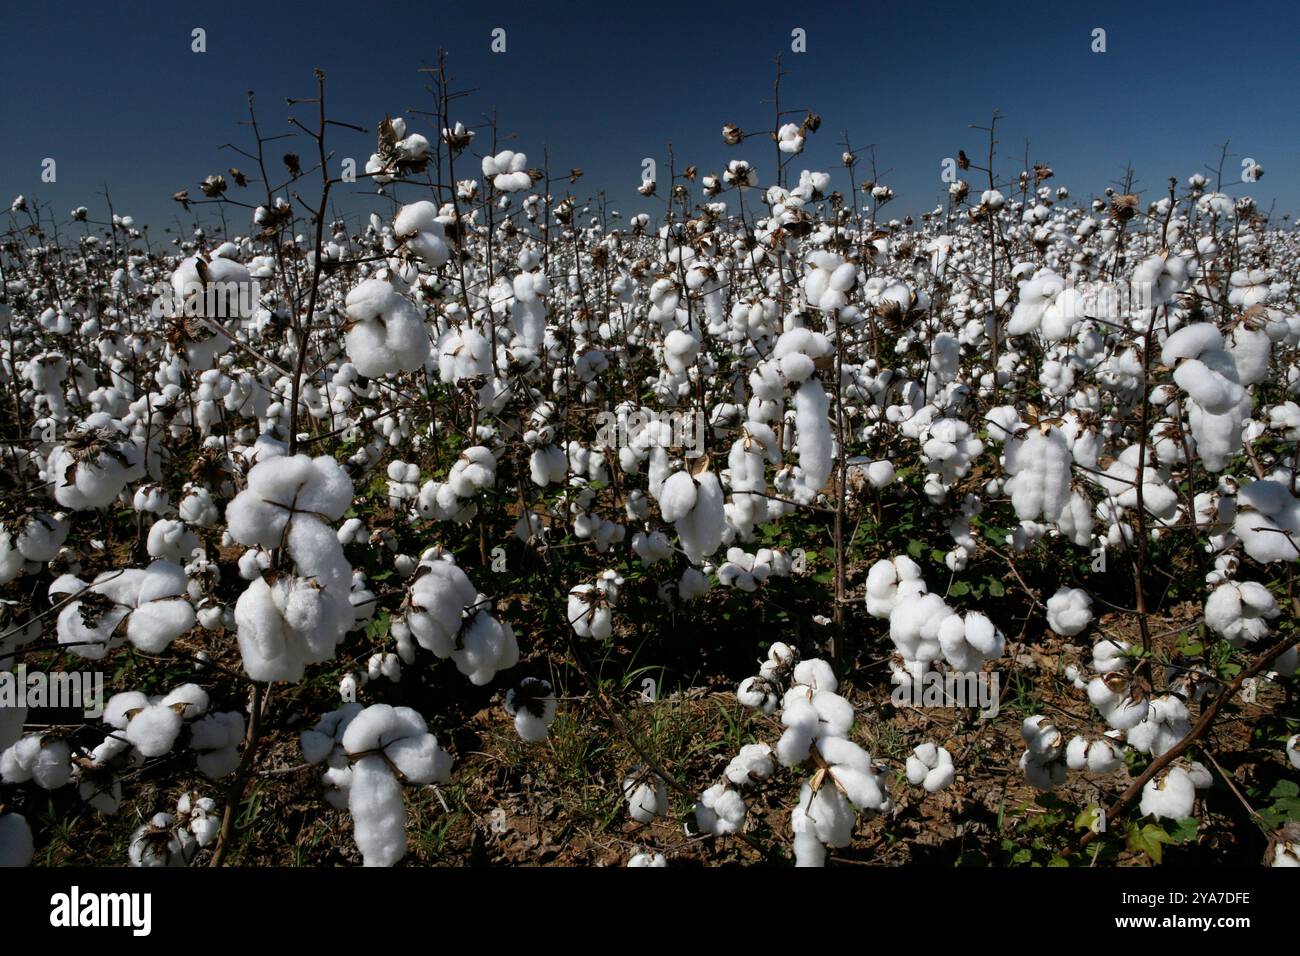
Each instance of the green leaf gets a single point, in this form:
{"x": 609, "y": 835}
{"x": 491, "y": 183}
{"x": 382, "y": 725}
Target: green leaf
{"x": 1149, "y": 839}
{"x": 1184, "y": 831}
{"x": 959, "y": 588}
{"x": 914, "y": 549}
{"x": 995, "y": 588}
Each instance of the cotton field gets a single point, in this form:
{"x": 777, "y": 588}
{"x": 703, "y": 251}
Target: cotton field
{"x": 495, "y": 525}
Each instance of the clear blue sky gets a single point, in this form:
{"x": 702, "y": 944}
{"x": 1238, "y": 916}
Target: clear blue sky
{"x": 114, "y": 94}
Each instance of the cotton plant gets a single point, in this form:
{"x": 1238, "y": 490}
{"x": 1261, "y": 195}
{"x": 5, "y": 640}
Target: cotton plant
{"x": 174, "y": 839}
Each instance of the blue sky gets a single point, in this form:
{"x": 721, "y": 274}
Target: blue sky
{"x": 114, "y": 94}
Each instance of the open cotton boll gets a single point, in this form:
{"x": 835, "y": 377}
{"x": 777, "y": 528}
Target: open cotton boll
{"x": 1069, "y": 611}
{"x": 1268, "y": 521}
{"x": 216, "y": 739}
{"x": 889, "y": 582}
{"x": 914, "y": 626}
{"x": 1170, "y": 795}
{"x": 720, "y": 811}
{"x": 154, "y": 729}
{"x": 93, "y": 464}
{"x": 1115, "y": 700}
{"x": 701, "y": 528}
{"x": 387, "y": 332}
{"x": 1039, "y": 466}
{"x": 648, "y": 859}
{"x": 1165, "y": 725}
{"x": 284, "y": 626}
{"x": 425, "y": 236}
{"x": 1240, "y": 611}
{"x": 647, "y": 797}
{"x": 930, "y": 767}
{"x": 533, "y": 706}
{"x": 692, "y": 584}
{"x": 378, "y": 813}
{"x": 1293, "y": 750}
{"x": 812, "y": 425}
{"x": 42, "y": 759}
{"x": 1094, "y": 754}
{"x": 752, "y": 764}
{"x": 16, "y": 846}
{"x": 160, "y": 842}
{"x": 282, "y": 489}
{"x": 488, "y": 646}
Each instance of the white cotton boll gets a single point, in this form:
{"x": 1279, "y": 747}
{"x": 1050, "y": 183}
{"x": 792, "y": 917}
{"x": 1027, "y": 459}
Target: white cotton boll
{"x": 914, "y": 626}
{"x": 889, "y": 582}
{"x": 1043, "y": 773}
{"x": 1240, "y": 611}
{"x": 646, "y": 798}
{"x": 488, "y": 646}
{"x": 648, "y": 859}
{"x": 1069, "y": 611}
{"x": 1117, "y": 705}
{"x": 1190, "y": 341}
{"x": 16, "y": 846}
{"x": 720, "y": 811}
{"x": 930, "y": 767}
{"x": 1097, "y": 755}
{"x": 693, "y": 584}
{"x": 1268, "y": 521}
{"x": 388, "y": 332}
{"x": 1208, "y": 388}
{"x": 752, "y": 764}
{"x": 216, "y": 739}
{"x": 378, "y": 814}
{"x": 812, "y": 425}
{"x": 817, "y": 674}
{"x": 880, "y": 473}
{"x": 154, "y": 729}
{"x": 700, "y": 530}
{"x": 418, "y": 224}
{"x": 1040, "y": 468}
{"x": 678, "y": 496}
{"x": 189, "y": 700}
{"x": 1293, "y": 751}
{"x": 1109, "y": 656}
{"x": 1170, "y": 796}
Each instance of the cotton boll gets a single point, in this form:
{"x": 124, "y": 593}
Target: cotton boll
{"x": 720, "y": 811}
{"x": 1097, "y": 754}
{"x": 216, "y": 739}
{"x": 930, "y": 767}
{"x": 388, "y": 332}
{"x": 646, "y": 798}
{"x": 1268, "y": 521}
{"x": 1240, "y": 611}
{"x": 1170, "y": 795}
{"x": 1040, "y": 469}
{"x": 154, "y": 729}
{"x": 533, "y": 706}
{"x": 1293, "y": 751}
{"x": 1069, "y": 611}
{"x": 752, "y": 764}
{"x": 891, "y": 581}
{"x": 378, "y": 814}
